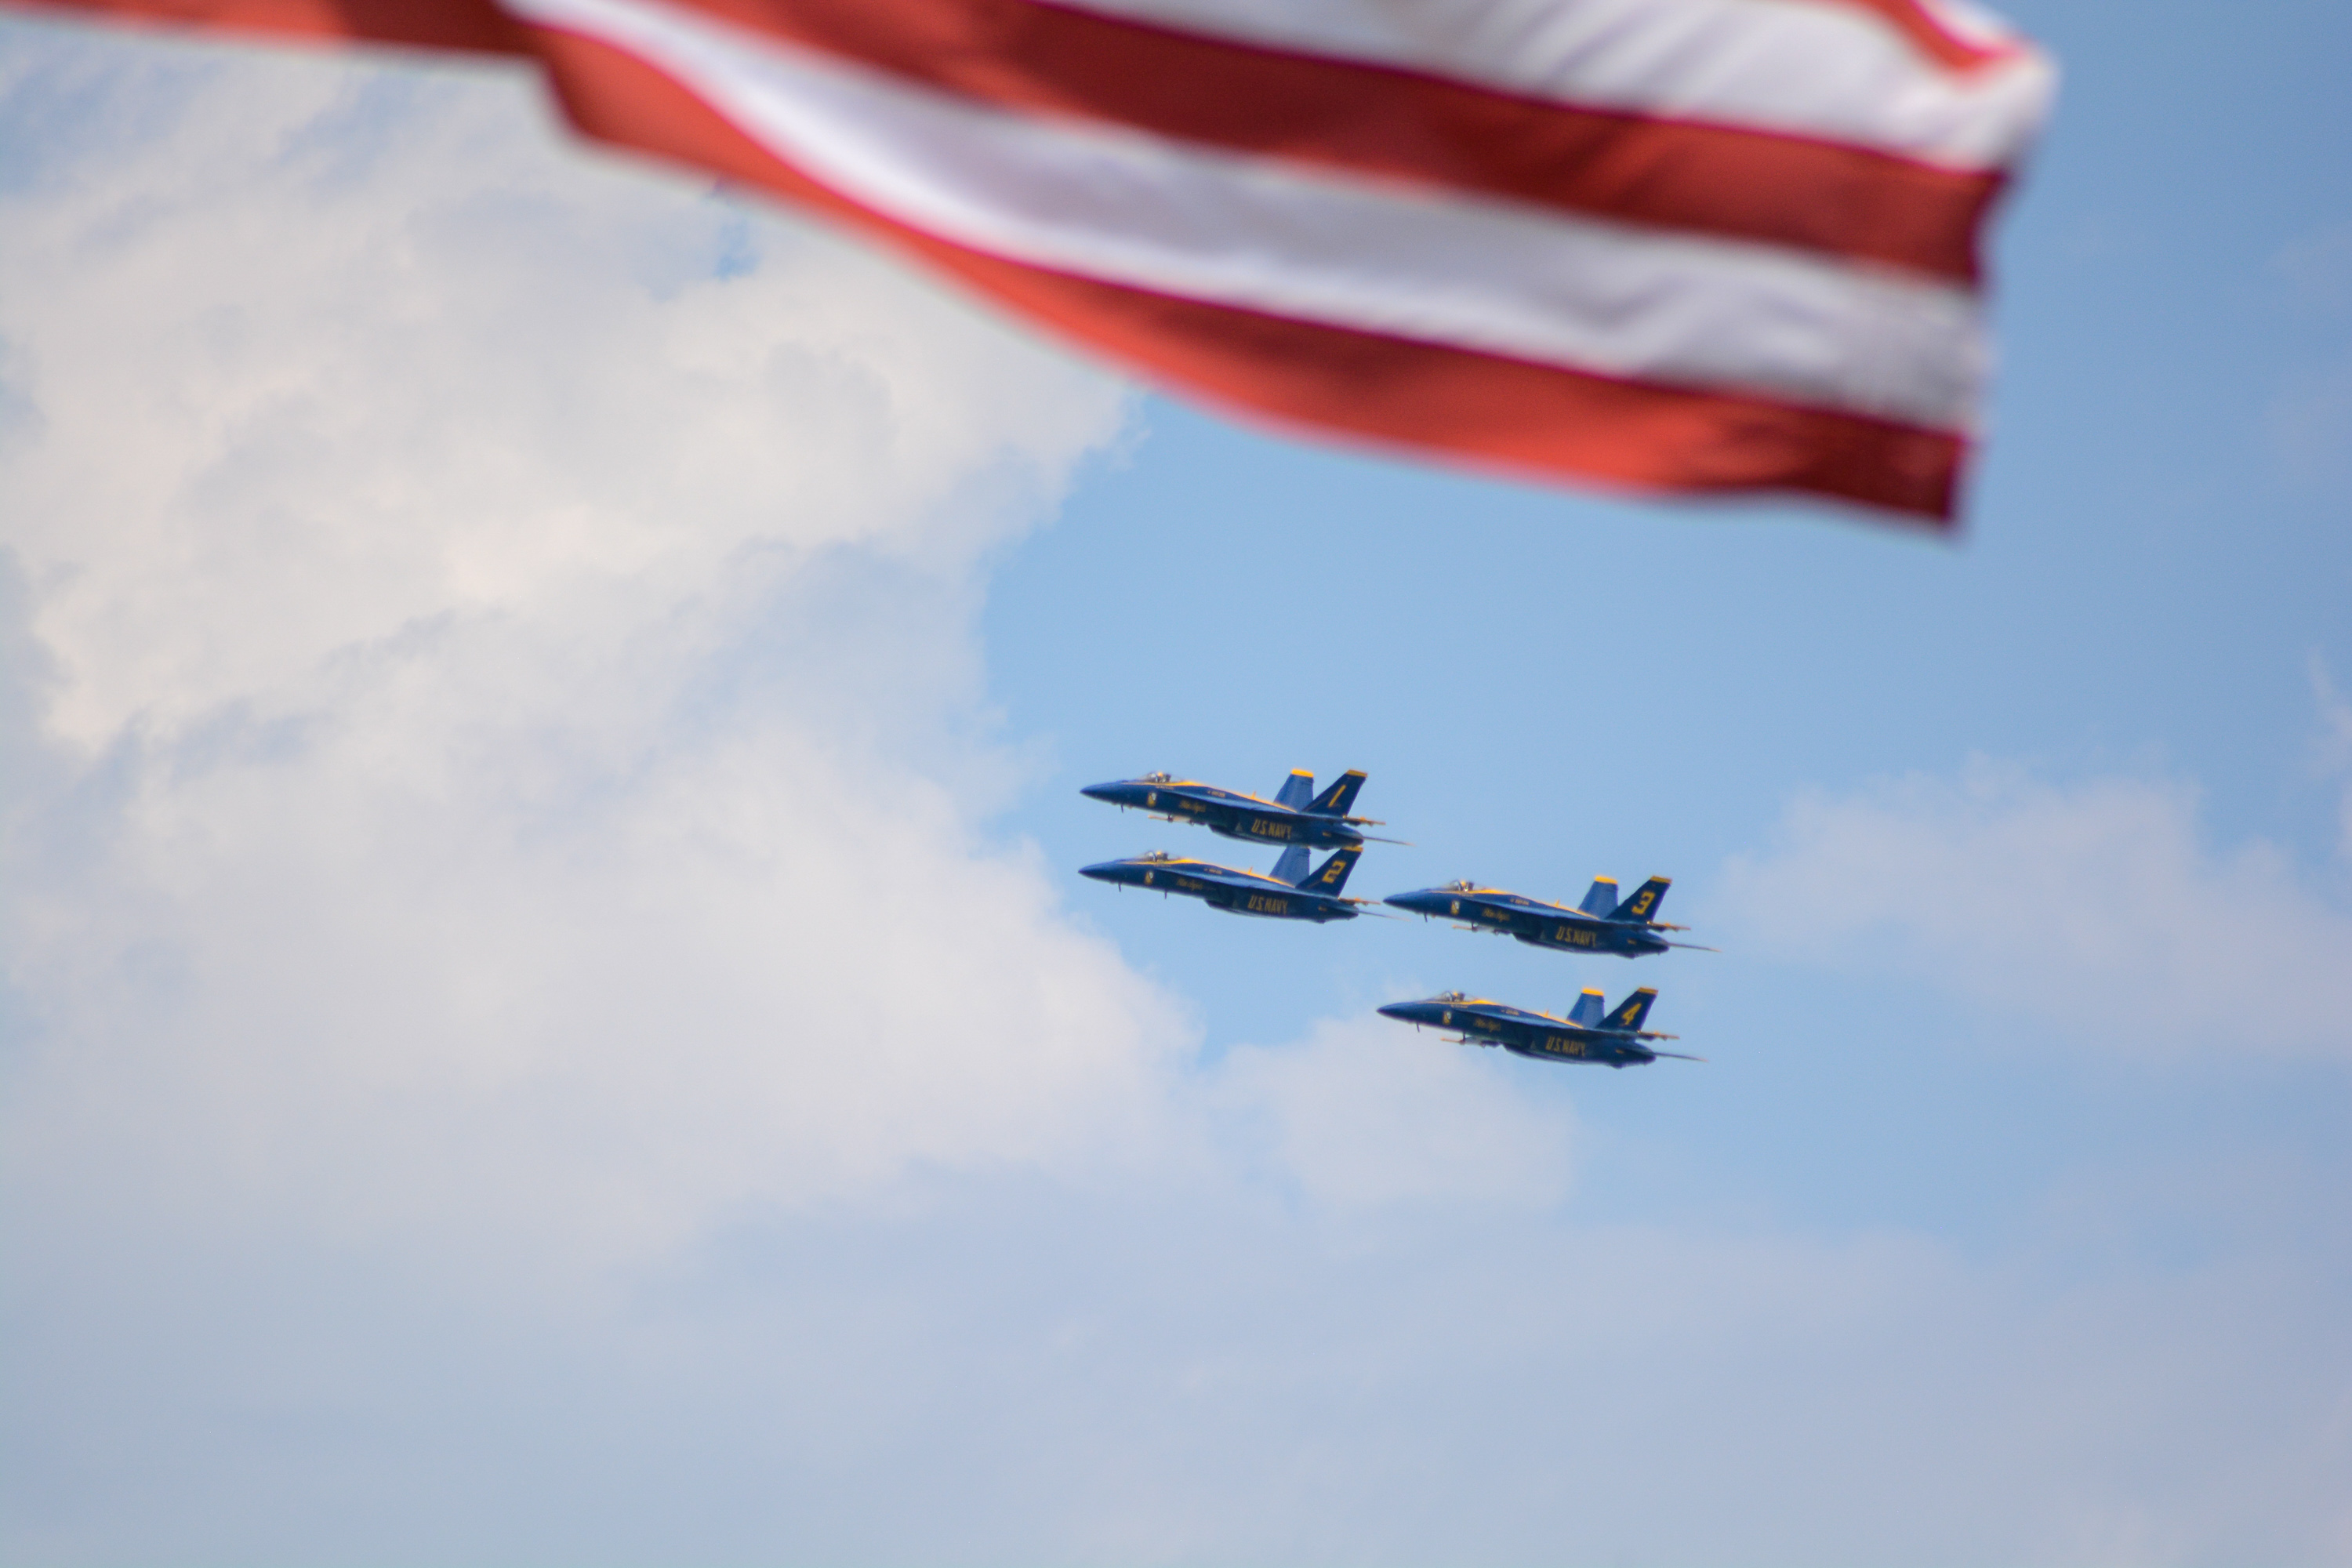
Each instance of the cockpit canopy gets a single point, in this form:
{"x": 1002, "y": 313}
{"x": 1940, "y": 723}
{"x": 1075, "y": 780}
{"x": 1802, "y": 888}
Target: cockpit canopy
{"x": 1463, "y": 885}
{"x": 1449, "y": 996}
{"x": 1159, "y": 778}
{"x": 1155, "y": 856}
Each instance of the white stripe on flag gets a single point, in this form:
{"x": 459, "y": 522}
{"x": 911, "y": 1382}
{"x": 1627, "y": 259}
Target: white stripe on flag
{"x": 1319, "y": 246}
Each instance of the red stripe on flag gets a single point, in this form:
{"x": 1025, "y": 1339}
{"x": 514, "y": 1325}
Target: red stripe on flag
{"x": 1933, "y": 37}
{"x": 1717, "y": 180}
{"x": 1482, "y": 407}
{"x": 1525, "y": 417}
{"x": 475, "y": 26}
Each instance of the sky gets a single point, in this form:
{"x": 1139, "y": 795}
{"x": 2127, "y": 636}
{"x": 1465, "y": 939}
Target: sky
{"x": 547, "y": 1015}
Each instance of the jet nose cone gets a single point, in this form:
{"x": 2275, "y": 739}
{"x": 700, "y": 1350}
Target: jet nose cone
{"x": 1100, "y": 792}
{"x": 1418, "y": 903}
{"x": 1101, "y": 870}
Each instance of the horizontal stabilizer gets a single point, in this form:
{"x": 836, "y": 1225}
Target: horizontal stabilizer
{"x": 1600, "y": 897}
{"x": 1643, "y": 905}
{"x": 1292, "y": 867}
{"x": 1632, "y": 1011}
{"x": 1297, "y": 790}
{"x": 1333, "y": 875}
{"x": 1337, "y": 800}
{"x": 1587, "y": 1009}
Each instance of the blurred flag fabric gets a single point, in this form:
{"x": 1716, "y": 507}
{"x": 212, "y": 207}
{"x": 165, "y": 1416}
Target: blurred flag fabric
{"x": 1679, "y": 244}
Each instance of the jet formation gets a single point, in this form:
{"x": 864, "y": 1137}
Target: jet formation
{"x": 1301, "y": 821}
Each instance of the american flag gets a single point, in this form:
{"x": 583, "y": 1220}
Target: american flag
{"x": 1679, "y": 244}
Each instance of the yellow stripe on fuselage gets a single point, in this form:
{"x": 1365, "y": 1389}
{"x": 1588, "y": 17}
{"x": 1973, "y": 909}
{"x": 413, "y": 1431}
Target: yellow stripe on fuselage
{"x": 1531, "y": 903}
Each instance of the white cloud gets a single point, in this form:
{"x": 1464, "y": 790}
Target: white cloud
{"x": 339, "y": 355}
{"x": 1368, "y": 1112}
{"x": 495, "y": 671}
{"x": 1109, "y": 1375}
{"x": 501, "y": 754}
{"x": 2093, "y": 911}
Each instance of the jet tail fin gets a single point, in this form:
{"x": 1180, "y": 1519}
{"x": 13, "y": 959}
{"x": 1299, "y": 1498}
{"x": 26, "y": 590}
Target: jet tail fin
{"x": 1335, "y": 801}
{"x": 1600, "y": 897}
{"x": 1297, "y": 790}
{"x": 1588, "y": 1008}
{"x": 1643, "y": 904}
{"x": 1632, "y": 1011}
{"x": 1332, "y": 875}
{"x": 1292, "y": 867}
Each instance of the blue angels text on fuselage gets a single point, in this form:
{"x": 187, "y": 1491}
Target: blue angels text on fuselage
{"x": 1292, "y": 893}
{"x": 1587, "y": 1035}
{"x": 1600, "y": 925}
{"x": 1296, "y": 815}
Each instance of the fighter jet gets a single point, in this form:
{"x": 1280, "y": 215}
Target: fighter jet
{"x": 1600, "y": 925}
{"x": 1584, "y": 1036}
{"x": 1296, "y": 815}
{"x": 1290, "y": 894}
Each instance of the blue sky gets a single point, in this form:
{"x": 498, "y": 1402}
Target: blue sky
{"x": 549, "y": 1017}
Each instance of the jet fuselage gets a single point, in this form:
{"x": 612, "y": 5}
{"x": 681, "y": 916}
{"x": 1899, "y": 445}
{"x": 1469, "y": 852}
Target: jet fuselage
{"x": 1534, "y": 922}
{"x": 1223, "y": 887}
{"x": 1536, "y": 1035}
{"x": 1229, "y": 813}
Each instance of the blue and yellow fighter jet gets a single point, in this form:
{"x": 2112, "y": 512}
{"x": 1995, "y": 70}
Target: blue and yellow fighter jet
{"x": 1292, "y": 893}
{"x": 1600, "y": 925}
{"x": 1296, "y": 815}
{"x": 1584, "y": 1036}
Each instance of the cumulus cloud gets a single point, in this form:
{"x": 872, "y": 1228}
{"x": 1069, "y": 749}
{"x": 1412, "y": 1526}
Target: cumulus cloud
{"x": 2094, "y": 910}
{"x": 1365, "y": 1112}
{"x": 497, "y": 712}
{"x": 504, "y": 745}
{"x": 322, "y": 358}
{"x": 1012, "y": 1375}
